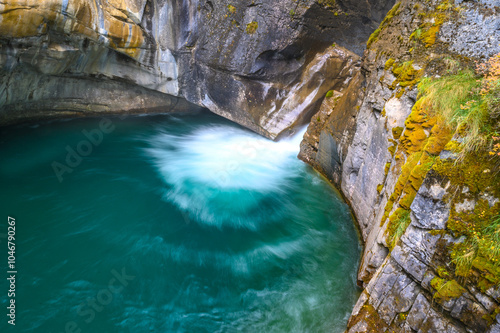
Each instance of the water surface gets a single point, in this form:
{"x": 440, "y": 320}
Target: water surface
{"x": 172, "y": 224}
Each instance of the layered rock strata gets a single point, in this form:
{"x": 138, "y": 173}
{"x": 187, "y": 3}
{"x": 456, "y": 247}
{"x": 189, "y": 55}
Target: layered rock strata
{"x": 260, "y": 64}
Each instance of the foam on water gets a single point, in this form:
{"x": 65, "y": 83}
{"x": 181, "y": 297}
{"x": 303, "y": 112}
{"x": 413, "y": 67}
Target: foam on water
{"x": 215, "y": 166}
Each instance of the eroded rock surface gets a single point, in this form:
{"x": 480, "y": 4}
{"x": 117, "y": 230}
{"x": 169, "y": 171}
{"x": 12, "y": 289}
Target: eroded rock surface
{"x": 264, "y": 64}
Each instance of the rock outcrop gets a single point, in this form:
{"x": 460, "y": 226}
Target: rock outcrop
{"x": 393, "y": 159}
{"x": 261, "y": 64}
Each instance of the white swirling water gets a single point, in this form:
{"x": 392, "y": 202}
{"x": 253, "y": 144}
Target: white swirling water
{"x": 223, "y": 230}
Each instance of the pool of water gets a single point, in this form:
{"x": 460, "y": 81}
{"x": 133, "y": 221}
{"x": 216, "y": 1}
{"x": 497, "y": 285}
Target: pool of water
{"x": 177, "y": 223}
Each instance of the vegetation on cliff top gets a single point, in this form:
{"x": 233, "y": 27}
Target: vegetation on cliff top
{"x": 465, "y": 105}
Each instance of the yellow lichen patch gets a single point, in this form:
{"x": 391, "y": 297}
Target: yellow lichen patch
{"x": 421, "y": 150}
{"x": 387, "y": 168}
{"x": 369, "y": 316}
{"x": 429, "y": 36}
{"x": 428, "y": 31}
{"x": 439, "y": 139}
{"x": 414, "y": 137}
{"x": 406, "y": 75}
{"x": 396, "y": 132}
{"x": 400, "y": 184}
{"x": 252, "y": 27}
{"x": 389, "y": 63}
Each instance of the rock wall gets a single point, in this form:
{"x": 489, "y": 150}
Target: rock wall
{"x": 391, "y": 157}
{"x": 264, "y": 64}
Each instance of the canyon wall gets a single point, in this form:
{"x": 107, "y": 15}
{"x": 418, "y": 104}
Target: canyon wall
{"x": 268, "y": 66}
{"x": 396, "y": 164}
{"x": 265, "y": 65}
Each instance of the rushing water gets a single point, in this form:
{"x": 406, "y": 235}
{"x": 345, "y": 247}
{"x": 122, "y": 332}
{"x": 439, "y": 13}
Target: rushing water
{"x": 171, "y": 224}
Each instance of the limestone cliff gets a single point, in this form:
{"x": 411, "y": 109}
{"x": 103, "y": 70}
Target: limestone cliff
{"x": 261, "y": 64}
{"x": 424, "y": 268}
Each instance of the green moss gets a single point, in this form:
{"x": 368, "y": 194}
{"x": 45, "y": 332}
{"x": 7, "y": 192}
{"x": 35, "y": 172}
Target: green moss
{"x": 491, "y": 318}
{"x": 393, "y": 12}
{"x": 231, "y": 9}
{"x": 416, "y": 34}
{"x": 481, "y": 227}
{"x": 490, "y": 270}
{"x": 446, "y": 289}
{"x": 443, "y": 272}
{"x": 484, "y": 284}
{"x": 252, "y": 27}
{"x": 329, "y": 94}
{"x": 370, "y": 318}
{"x": 380, "y": 187}
{"x": 374, "y": 36}
{"x": 471, "y": 172}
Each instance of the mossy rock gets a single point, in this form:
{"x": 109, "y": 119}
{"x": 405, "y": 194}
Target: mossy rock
{"x": 252, "y": 27}
{"x": 446, "y": 289}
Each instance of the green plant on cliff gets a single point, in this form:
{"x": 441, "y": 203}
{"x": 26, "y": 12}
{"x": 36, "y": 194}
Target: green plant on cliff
{"x": 468, "y": 102}
{"x": 398, "y": 222}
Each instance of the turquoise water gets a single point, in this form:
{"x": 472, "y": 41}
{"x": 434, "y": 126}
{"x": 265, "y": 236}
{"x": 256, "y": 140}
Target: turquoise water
{"x": 171, "y": 224}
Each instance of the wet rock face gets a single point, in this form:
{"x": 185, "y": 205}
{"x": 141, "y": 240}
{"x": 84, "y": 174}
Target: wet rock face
{"x": 261, "y": 64}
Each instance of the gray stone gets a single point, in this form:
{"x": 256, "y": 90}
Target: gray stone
{"x": 418, "y": 312}
{"x": 476, "y": 34}
{"x": 429, "y": 210}
{"x": 400, "y": 299}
